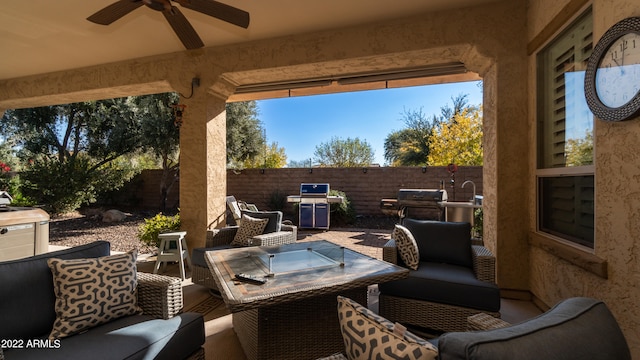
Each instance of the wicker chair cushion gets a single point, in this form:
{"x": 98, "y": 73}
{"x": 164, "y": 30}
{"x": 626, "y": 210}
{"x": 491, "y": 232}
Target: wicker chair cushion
{"x": 370, "y": 336}
{"x": 442, "y": 242}
{"x": 407, "y": 247}
{"x": 94, "y": 291}
{"x": 446, "y": 284}
{"x": 274, "y": 217}
{"x": 249, "y": 227}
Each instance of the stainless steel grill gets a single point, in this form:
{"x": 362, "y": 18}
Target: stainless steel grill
{"x": 314, "y": 200}
{"x": 414, "y": 198}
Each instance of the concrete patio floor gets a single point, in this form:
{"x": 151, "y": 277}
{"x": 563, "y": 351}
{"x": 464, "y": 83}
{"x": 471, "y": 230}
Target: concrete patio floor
{"x": 221, "y": 340}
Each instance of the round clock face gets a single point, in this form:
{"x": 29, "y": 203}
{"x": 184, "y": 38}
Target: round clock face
{"x": 612, "y": 77}
{"x": 618, "y": 73}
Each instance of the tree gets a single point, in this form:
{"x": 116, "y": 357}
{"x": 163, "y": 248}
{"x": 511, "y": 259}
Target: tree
{"x": 412, "y": 146}
{"x": 344, "y": 153}
{"x": 409, "y": 146}
{"x": 458, "y": 141}
{"x": 579, "y": 151}
{"x": 245, "y": 139}
{"x": 274, "y": 157}
{"x": 160, "y": 136}
{"x": 69, "y": 148}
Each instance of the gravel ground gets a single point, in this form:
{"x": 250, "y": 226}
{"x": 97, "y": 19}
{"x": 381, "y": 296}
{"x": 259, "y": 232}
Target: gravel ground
{"x": 81, "y": 228}
{"x": 76, "y": 229}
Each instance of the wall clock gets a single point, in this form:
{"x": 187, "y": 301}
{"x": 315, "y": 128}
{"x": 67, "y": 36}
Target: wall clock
{"x": 612, "y": 79}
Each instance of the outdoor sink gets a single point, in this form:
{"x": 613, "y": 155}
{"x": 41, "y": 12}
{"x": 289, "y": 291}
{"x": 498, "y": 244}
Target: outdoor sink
{"x": 459, "y": 211}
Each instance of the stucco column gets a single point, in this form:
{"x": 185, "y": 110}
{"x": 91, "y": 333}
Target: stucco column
{"x": 202, "y": 165}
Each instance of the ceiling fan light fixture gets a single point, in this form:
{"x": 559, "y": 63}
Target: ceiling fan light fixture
{"x": 179, "y": 23}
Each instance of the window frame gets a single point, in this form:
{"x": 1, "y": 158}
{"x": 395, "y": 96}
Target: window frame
{"x": 540, "y": 119}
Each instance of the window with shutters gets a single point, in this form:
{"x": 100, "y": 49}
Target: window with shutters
{"x": 565, "y": 171}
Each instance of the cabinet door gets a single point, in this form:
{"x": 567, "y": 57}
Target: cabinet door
{"x": 306, "y": 215}
{"x": 17, "y": 241}
{"x": 322, "y": 216}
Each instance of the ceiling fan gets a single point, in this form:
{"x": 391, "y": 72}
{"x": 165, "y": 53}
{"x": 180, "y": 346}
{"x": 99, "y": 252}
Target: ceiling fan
{"x": 174, "y": 16}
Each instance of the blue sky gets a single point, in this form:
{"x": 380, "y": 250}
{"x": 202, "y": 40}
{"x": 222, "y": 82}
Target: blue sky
{"x": 299, "y": 124}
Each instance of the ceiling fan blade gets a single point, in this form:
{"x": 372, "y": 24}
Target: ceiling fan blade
{"x": 114, "y": 11}
{"x": 183, "y": 28}
{"x": 218, "y": 10}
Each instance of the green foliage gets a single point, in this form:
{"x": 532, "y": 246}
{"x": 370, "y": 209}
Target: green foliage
{"x": 245, "y": 139}
{"x": 272, "y": 158}
{"x": 414, "y": 145}
{"x": 5, "y": 177}
{"x": 277, "y": 200}
{"x": 160, "y": 136}
{"x": 579, "y": 151}
{"x": 67, "y": 150}
{"x": 148, "y": 232}
{"x": 409, "y": 146}
{"x": 21, "y": 200}
{"x": 477, "y": 223}
{"x": 344, "y": 153}
{"x": 77, "y": 151}
{"x": 64, "y": 186}
{"x": 342, "y": 213}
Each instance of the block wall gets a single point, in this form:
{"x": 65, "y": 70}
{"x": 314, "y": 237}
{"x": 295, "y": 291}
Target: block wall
{"x": 364, "y": 187}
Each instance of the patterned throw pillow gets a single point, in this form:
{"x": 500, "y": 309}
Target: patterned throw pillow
{"x": 407, "y": 246}
{"x": 249, "y": 227}
{"x": 91, "y": 292}
{"x": 370, "y": 336}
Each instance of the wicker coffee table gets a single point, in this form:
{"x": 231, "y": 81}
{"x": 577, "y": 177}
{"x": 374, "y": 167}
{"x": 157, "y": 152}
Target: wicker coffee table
{"x": 294, "y": 314}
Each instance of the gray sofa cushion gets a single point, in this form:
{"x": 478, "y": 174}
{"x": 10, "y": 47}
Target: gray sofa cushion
{"x": 577, "y": 328}
{"x": 446, "y": 284}
{"x": 28, "y": 284}
{"x": 132, "y": 337}
{"x": 275, "y": 219}
{"x": 442, "y": 242}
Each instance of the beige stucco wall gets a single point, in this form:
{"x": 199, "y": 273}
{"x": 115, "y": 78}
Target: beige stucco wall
{"x": 491, "y": 40}
{"x": 617, "y": 219}
{"x": 485, "y": 40}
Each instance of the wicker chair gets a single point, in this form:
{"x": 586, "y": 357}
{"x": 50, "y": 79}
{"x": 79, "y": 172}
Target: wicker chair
{"x": 161, "y": 296}
{"x": 221, "y": 239}
{"x": 446, "y": 310}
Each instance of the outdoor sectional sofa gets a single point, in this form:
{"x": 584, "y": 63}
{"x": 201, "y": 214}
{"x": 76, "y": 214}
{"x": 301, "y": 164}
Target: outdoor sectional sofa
{"x": 28, "y": 312}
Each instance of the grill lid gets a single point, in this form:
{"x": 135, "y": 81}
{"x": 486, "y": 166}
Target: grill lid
{"x": 421, "y": 197}
{"x": 314, "y": 190}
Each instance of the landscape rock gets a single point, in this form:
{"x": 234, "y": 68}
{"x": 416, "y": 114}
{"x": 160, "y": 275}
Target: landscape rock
{"x": 113, "y": 215}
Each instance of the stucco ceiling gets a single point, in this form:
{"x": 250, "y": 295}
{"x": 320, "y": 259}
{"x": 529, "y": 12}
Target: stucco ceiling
{"x": 42, "y": 36}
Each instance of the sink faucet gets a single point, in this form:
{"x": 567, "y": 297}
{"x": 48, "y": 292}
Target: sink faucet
{"x": 473, "y": 198}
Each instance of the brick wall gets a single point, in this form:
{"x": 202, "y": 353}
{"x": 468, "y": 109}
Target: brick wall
{"x": 364, "y": 189}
